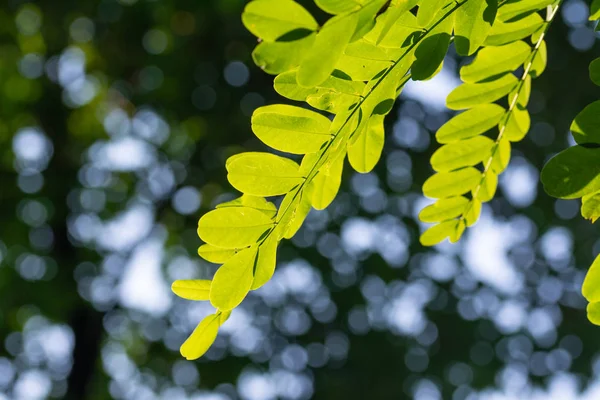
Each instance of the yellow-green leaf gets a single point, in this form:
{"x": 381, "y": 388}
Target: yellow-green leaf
{"x": 507, "y": 32}
{"x": 474, "y": 21}
{"x": 327, "y": 49}
{"x": 444, "y": 209}
{"x": 201, "y": 339}
{"x": 263, "y": 174}
{"x": 431, "y": 51}
{"x": 277, "y": 57}
{"x": 197, "y": 289}
{"x": 233, "y": 227}
{"x": 510, "y": 10}
{"x": 439, "y": 232}
{"x": 265, "y": 262}
{"x": 593, "y": 313}
{"x": 469, "y": 95}
{"x": 233, "y": 280}
{"x": 517, "y": 124}
{"x": 256, "y": 202}
{"x": 448, "y": 184}
{"x": 590, "y": 207}
{"x": 326, "y": 184}
{"x": 495, "y": 60}
{"x": 501, "y": 156}
{"x": 291, "y": 129}
{"x": 464, "y": 153}
{"x": 365, "y": 152}
{"x": 488, "y": 187}
{"x": 470, "y": 123}
{"x": 539, "y": 62}
{"x": 591, "y": 284}
{"x": 272, "y": 19}
{"x": 338, "y": 6}
{"x": 215, "y": 254}
{"x": 472, "y": 212}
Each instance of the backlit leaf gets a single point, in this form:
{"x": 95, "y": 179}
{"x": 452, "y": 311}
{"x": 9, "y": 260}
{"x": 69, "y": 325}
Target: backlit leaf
{"x": 233, "y": 227}
{"x": 448, "y": 184}
{"x": 191, "y": 289}
{"x": 495, "y": 60}
{"x": 590, "y": 206}
{"x": 233, "y": 280}
{"x": 469, "y": 95}
{"x": 265, "y": 262}
{"x": 291, "y": 129}
{"x": 278, "y": 57}
{"x": 506, "y": 32}
{"x": 439, "y": 232}
{"x": 510, "y": 10}
{"x": 271, "y": 19}
{"x": 201, "y": 339}
{"x": 464, "y": 153}
{"x": 215, "y": 254}
{"x": 501, "y": 156}
{"x": 430, "y": 53}
{"x": 444, "y": 209}
{"x": 474, "y": 20}
{"x": 263, "y": 174}
{"x": 470, "y": 123}
{"x": 364, "y": 153}
{"x": 327, "y": 49}
{"x": 327, "y": 184}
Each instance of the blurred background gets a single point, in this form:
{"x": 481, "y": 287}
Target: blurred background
{"x": 116, "y": 118}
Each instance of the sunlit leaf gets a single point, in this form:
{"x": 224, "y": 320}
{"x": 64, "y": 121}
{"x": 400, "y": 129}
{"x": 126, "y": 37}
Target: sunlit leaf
{"x": 448, "y": 184}
{"x": 444, "y": 209}
{"x": 495, "y": 60}
{"x": 365, "y": 152}
{"x": 233, "y": 280}
{"x": 469, "y": 95}
{"x": 470, "y": 123}
{"x": 586, "y": 125}
{"x": 507, "y": 32}
{"x": 191, "y": 289}
{"x": 233, "y": 227}
{"x": 464, "y": 153}
{"x": 290, "y": 129}
{"x": 201, "y": 339}
{"x": 439, "y": 232}
{"x": 474, "y": 20}
{"x": 512, "y": 9}
{"x": 590, "y": 207}
{"x": 215, "y": 254}
{"x": 272, "y": 19}
{"x": 263, "y": 174}
{"x": 265, "y": 262}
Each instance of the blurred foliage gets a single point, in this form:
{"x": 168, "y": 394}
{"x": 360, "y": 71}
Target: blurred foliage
{"x": 116, "y": 118}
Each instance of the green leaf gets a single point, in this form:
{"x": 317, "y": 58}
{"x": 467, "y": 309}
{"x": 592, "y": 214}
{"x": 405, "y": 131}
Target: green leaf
{"x": 233, "y": 280}
{"x": 591, "y": 283}
{"x": 338, "y": 6}
{"x": 501, "y": 156}
{"x": 593, "y": 313}
{"x": 470, "y": 123}
{"x": 495, "y": 60}
{"x": 201, "y": 339}
{"x": 327, "y": 49}
{"x": 256, "y": 202}
{"x": 488, "y": 187}
{"x": 394, "y": 23}
{"x": 191, "y": 289}
{"x": 523, "y": 91}
{"x": 464, "y": 153}
{"x": 291, "y": 129}
{"x": 444, "y": 209}
{"x": 472, "y": 212}
{"x": 277, "y": 57}
{"x": 540, "y": 60}
{"x": 586, "y": 125}
{"x": 469, "y": 95}
{"x": 439, "y": 232}
{"x": 506, "y": 32}
{"x": 215, "y": 254}
{"x": 590, "y": 206}
{"x": 366, "y": 18}
{"x": 263, "y": 174}
{"x": 365, "y": 152}
{"x": 517, "y": 125}
{"x": 520, "y": 8}
{"x": 430, "y": 53}
{"x": 573, "y": 173}
{"x": 474, "y": 20}
{"x": 448, "y": 184}
{"x": 272, "y": 19}
{"x": 265, "y": 262}
{"x": 233, "y": 227}
{"x": 428, "y": 9}
{"x": 595, "y": 71}
{"x": 595, "y": 10}
{"x": 326, "y": 184}
{"x": 298, "y": 215}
